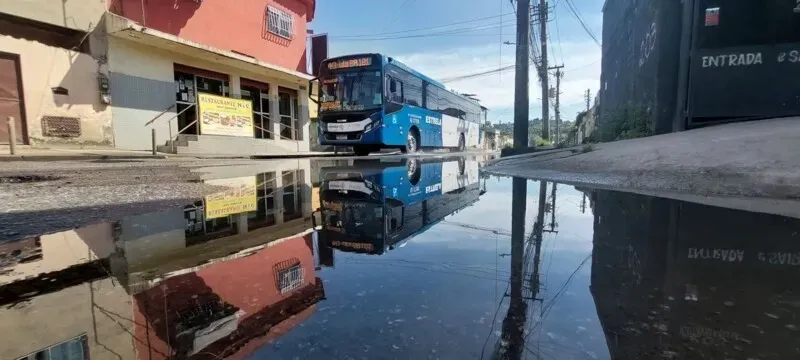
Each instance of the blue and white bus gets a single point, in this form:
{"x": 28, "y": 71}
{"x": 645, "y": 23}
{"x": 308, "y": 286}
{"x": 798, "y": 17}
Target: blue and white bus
{"x": 371, "y": 101}
{"x": 377, "y": 205}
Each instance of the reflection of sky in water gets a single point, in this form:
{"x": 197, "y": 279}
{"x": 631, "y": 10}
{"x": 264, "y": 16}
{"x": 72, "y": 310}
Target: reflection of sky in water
{"x": 437, "y": 297}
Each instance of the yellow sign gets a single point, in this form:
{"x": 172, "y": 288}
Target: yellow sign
{"x": 220, "y": 115}
{"x": 331, "y": 106}
{"x": 349, "y": 63}
{"x": 240, "y": 197}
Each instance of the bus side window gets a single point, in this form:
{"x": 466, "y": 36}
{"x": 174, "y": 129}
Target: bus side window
{"x": 395, "y": 90}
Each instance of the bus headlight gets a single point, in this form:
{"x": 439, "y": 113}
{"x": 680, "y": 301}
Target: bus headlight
{"x": 372, "y": 125}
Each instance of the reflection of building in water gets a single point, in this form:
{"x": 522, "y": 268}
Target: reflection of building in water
{"x": 228, "y": 307}
{"x": 148, "y": 286}
{"x": 680, "y": 280}
{"x": 72, "y": 307}
{"x": 374, "y": 206}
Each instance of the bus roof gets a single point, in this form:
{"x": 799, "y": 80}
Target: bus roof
{"x": 389, "y": 60}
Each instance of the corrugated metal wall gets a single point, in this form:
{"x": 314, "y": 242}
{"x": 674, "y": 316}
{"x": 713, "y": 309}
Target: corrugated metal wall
{"x": 640, "y": 62}
{"x": 136, "y": 101}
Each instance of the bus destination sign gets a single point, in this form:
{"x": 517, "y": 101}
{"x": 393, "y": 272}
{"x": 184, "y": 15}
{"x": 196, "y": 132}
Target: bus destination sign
{"x": 350, "y": 63}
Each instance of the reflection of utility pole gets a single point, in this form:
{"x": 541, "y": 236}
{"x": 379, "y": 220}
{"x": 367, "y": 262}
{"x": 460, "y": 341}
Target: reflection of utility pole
{"x": 552, "y": 210}
{"x": 538, "y": 236}
{"x": 513, "y": 331}
{"x": 583, "y": 204}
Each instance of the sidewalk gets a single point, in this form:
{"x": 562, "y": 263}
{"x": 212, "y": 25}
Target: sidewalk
{"x": 27, "y": 153}
{"x": 748, "y": 159}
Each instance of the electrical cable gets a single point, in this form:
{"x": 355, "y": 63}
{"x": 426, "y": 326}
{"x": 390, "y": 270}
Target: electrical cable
{"x": 450, "y": 32}
{"x": 578, "y": 16}
{"x": 397, "y": 13}
{"x": 420, "y": 29}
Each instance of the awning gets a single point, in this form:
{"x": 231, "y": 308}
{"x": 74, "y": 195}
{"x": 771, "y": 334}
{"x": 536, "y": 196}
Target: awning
{"x": 127, "y": 29}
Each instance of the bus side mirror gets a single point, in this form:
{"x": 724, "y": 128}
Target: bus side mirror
{"x": 311, "y": 90}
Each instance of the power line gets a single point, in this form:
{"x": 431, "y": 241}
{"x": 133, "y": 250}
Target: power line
{"x": 558, "y": 33}
{"x": 425, "y": 28}
{"x": 397, "y": 13}
{"x": 578, "y": 16}
{"x": 451, "y": 32}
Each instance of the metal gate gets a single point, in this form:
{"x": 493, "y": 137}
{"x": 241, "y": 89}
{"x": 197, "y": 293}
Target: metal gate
{"x": 11, "y": 103}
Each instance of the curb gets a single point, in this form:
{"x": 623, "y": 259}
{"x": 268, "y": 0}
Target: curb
{"x": 10, "y": 158}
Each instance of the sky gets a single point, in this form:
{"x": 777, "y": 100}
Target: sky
{"x": 450, "y": 38}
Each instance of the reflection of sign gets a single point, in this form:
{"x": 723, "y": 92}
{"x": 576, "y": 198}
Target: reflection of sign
{"x": 712, "y": 16}
{"x": 353, "y": 245}
{"x": 349, "y": 186}
{"x": 350, "y": 63}
{"x": 332, "y": 206}
{"x": 225, "y": 116}
{"x": 240, "y": 197}
{"x": 330, "y": 105}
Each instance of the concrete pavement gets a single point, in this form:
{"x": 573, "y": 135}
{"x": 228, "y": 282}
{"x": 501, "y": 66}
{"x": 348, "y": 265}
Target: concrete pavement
{"x": 758, "y": 159}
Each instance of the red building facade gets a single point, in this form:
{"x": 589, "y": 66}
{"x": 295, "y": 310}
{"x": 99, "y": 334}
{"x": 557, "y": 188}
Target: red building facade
{"x": 242, "y": 26}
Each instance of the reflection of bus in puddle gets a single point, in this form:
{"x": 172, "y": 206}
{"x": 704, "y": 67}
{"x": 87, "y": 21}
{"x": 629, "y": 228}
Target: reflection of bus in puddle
{"x": 373, "y": 206}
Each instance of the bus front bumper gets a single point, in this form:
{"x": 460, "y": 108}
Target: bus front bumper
{"x": 372, "y": 136}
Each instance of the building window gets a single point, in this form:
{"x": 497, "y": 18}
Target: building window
{"x": 265, "y": 212}
{"x": 73, "y": 349}
{"x": 187, "y": 85}
{"x": 280, "y": 23}
{"x": 288, "y": 111}
{"x": 292, "y": 199}
{"x": 291, "y": 278}
{"x": 261, "y": 119}
{"x": 200, "y": 230}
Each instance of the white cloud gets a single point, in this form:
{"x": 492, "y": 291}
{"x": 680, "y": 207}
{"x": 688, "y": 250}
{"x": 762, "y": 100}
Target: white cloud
{"x": 496, "y": 91}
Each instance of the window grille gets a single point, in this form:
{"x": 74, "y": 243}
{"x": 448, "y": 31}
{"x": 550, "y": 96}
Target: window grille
{"x": 280, "y": 23}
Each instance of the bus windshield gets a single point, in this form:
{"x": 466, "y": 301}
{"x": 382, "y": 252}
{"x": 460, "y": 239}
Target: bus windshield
{"x": 355, "y": 90}
{"x": 355, "y": 218}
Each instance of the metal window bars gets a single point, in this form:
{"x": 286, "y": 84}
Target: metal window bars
{"x": 280, "y": 23}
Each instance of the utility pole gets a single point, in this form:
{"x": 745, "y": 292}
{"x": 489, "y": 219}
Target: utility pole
{"x": 559, "y": 74}
{"x": 588, "y": 99}
{"x": 521, "y": 76}
{"x": 542, "y": 12}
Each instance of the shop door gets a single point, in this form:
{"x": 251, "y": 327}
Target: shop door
{"x": 11, "y": 98}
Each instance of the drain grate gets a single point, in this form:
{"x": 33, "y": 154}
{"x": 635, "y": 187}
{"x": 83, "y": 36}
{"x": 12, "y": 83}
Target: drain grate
{"x": 61, "y": 126}
{"x": 22, "y": 179}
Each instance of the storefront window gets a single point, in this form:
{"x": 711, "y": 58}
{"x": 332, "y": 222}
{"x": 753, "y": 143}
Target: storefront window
{"x": 200, "y": 230}
{"x": 187, "y": 85}
{"x": 292, "y": 199}
{"x": 265, "y": 213}
{"x": 288, "y": 110}
{"x": 261, "y": 119}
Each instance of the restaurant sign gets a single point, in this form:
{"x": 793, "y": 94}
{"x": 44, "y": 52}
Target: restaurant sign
{"x": 239, "y": 197}
{"x": 221, "y": 115}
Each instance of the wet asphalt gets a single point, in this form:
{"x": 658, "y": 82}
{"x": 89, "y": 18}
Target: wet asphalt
{"x": 500, "y": 268}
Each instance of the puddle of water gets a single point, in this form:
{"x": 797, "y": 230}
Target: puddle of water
{"x": 400, "y": 258}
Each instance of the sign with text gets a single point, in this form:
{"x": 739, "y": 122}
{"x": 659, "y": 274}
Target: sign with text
{"x": 220, "y": 115}
{"x": 239, "y": 197}
{"x": 349, "y": 63}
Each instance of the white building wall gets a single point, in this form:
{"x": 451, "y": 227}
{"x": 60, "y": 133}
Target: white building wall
{"x": 78, "y": 15}
{"x": 143, "y": 71}
{"x": 44, "y": 67}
